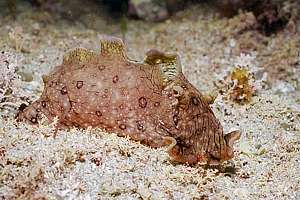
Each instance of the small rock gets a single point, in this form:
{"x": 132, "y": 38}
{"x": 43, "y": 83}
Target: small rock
{"x": 282, "y": 87}
{"x": 25, "y": 76}
{"x": 36, "y": 29}
{"x": 148, "y": 10}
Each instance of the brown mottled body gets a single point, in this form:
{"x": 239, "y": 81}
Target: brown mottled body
{"x": 148, "y": 101}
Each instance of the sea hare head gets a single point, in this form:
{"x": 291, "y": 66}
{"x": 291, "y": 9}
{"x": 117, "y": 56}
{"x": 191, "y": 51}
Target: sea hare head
{"x": 199, "y": 136}
{"x": 184, "y": 153}
{"x": 195, "y": 135}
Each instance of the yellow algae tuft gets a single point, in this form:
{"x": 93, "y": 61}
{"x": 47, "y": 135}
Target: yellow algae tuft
{"x": 241, "y": 90}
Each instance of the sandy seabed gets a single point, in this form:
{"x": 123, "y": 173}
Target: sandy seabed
{"x": 91, "y": 164}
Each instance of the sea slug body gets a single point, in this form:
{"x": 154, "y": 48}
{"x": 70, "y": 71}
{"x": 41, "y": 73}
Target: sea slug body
{"x": 150, "y": 101}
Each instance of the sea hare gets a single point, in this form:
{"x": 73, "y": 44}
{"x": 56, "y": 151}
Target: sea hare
{"x": 150, "y": 101}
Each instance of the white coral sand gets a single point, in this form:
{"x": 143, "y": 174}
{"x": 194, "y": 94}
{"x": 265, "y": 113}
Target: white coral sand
{"x": 91, "y": 164}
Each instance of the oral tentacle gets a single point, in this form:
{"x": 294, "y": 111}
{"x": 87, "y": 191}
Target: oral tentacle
{"x": 232, "y": 137}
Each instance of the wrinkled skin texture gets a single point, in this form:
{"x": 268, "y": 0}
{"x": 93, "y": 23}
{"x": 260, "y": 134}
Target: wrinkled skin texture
{"x": 151, "y": 102}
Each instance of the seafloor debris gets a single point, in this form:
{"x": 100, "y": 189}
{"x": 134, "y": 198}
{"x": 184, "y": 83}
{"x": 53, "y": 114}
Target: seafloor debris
{"x": 18, "y": 39}
{"x": 241, "y": 90}
{"x": 148, "y": 101}
{"x": 271, "y": 16}
{"x": 242, "y": 80}
{"x": 237, "y": 85}
{"x": 12, "y": 95}
{"x": 8, "y": 78}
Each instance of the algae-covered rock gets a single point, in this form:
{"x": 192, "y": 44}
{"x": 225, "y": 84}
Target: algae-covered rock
{"x": 150, "y": 10}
